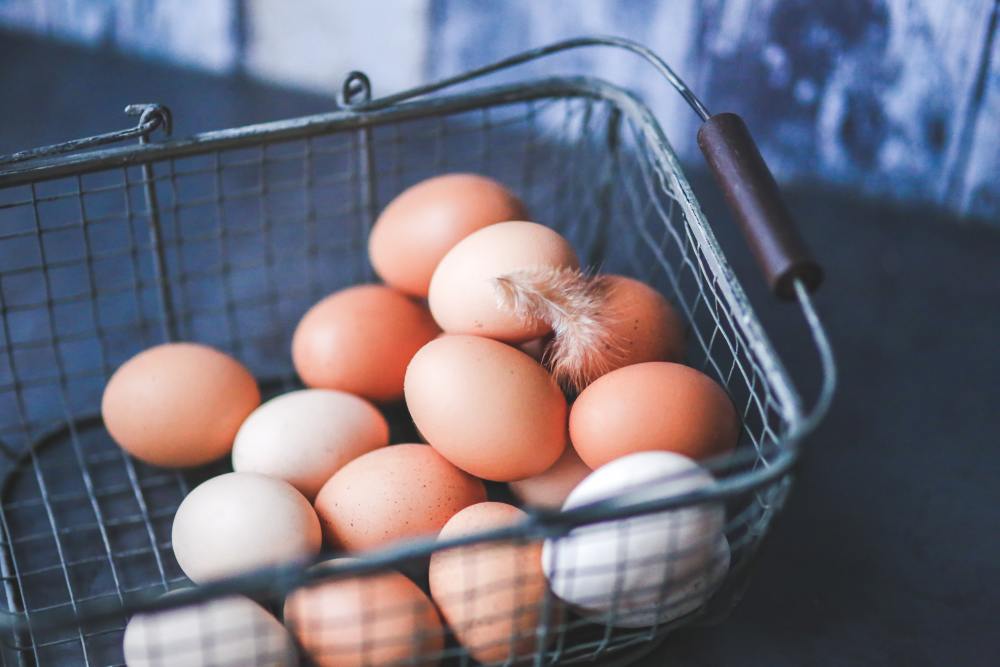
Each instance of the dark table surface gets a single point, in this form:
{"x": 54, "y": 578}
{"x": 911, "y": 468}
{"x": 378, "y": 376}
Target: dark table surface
{"x": 889, "y": 550}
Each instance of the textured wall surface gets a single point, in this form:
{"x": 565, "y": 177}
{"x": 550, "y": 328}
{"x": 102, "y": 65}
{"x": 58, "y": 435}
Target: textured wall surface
{"x": 896, "y": 98}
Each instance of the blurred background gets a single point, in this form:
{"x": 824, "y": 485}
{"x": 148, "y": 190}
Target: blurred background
{"x": 894, "y": 98}
{"x": 879, "y": 118}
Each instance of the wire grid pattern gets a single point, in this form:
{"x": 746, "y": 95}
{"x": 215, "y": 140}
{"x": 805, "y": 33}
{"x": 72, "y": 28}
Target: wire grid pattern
{"x": 230, "y": 248}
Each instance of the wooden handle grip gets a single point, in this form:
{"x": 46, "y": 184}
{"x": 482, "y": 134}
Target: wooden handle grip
{"x": 754, "y": 198}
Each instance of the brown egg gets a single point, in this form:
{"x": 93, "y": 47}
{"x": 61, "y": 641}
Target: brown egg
{"x": 643, "y": 323}
{"x": 359, "y": 340}
{"x": 551, "y": 488}
{"x": 491, "y": 410}
{"x": 241, "y": 521}
{"x": 426, "y": 220}
{"x": 652, "y": 406}
{"x": 492, "y": 594}
{"x": 462, "y": 295}
{"x": 178, "y": 404}
{"x": 391, "y": 494}
{"x": 383, "y": 619}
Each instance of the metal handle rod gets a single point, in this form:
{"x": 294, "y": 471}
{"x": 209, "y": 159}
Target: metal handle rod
{"x": 535, "y": 54}
{"x": 151, "y": 117}
{"x": 827, "y": 362}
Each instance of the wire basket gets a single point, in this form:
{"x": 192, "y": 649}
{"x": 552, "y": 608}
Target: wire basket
{"x": 227, "y": 238}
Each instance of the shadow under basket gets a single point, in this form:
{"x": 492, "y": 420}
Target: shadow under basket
{"x": 226, "y": 239}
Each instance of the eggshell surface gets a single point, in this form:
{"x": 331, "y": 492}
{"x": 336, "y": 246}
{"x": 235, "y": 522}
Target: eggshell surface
{"x": 241, "y": 521}
{"x": 391, "y": 494}
{"x": 462, "y": 296}
{"x": 643, "y": 324}
{"x": 488, "y": 408}
{"x": 303, "y": 437}
{"x": 646, "y": 569}
{"x": 491, "y": 594}
{"x": 383, "y": 619}
{"x": 652, "y": 406}
{"x": 550, "y": 489}
{"x": 178, "y": 404}
{"x": 231, "y": 630}
{"x": 359, "y": 340}
{"x": 426, "y": 220}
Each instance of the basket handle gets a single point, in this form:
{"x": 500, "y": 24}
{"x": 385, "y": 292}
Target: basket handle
{"x": 754, "y": 198}
{"x": 746, "y": 181}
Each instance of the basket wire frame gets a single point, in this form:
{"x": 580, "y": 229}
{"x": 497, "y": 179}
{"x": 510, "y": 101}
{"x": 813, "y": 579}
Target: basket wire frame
{"x": 229, "y": 246}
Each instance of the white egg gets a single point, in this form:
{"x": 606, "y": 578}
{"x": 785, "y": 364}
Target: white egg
{"x": 303, "y": 437}
{"x": 226, "y": 631}
{"x": 242, "y": 521}
{"x": 647, "y": 569}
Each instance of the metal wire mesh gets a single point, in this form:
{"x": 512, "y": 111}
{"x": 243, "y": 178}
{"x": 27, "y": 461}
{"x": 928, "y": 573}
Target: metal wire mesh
{"x": 229, "y": 247}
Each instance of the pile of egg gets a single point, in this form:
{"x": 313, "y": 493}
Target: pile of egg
{"x": 313, "y": 470}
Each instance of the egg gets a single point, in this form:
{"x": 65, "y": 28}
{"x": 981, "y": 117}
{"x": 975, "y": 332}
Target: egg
{"x": 303, "y": 437}
{"x": 488, "y": 408}
{"x": 493, "y": 594}
{"x": 359, "y": 340}
{"x": 178, "y": 404}
{"x": 230, "y": 630}
{"x": 391, "y": 494}
{"x": 643, "y": 324}
{"x": 462, "y": 295}
{"x": 382, "y": 619}
{"x": 241, "y": 521}
{"x": 646, "y": 569}
{"x": 550, "y": 489}
{"x": 426, "y": 220}
{"x": 652, "y": 406}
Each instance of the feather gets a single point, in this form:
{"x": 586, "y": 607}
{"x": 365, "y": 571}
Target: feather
{"x": 571, "y": 302}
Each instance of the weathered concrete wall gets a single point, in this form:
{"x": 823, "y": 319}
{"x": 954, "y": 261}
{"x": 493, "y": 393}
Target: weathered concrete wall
{"x": 897, "y": 98}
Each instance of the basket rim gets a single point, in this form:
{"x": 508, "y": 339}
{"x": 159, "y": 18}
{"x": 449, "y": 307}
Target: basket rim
{"x": 300, "y": 127}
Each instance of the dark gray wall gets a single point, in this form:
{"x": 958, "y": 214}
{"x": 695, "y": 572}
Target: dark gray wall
{"x": 894, "y": 98}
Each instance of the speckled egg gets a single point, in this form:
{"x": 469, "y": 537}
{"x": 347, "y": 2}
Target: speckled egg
{"x": 391, "y": 494}
{"x": 642, "y": 323}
